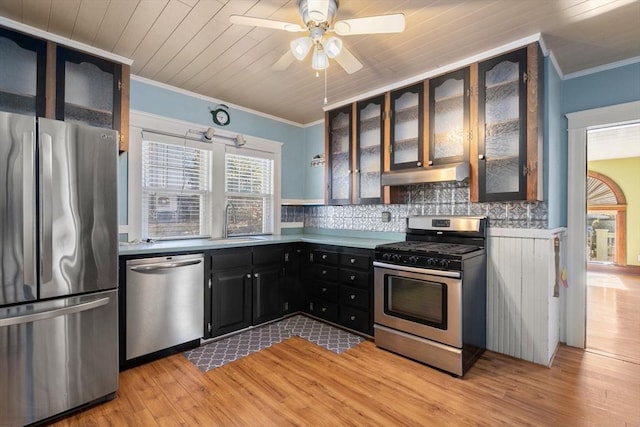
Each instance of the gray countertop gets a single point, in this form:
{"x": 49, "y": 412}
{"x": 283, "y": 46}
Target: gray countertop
{"x": 195, "y": 245}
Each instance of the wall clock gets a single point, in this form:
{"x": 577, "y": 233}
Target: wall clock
{"x": 220, "y": 115}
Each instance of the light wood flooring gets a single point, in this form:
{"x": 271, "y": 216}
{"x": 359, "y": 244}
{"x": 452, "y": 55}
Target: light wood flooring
{"x": 298, "y": 383}
{"x": 613, "y": 314}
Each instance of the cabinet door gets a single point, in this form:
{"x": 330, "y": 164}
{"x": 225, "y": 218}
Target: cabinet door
{"x": 406, "y": 144}
{"x": 339, "y": 157}
{"x": 230, "y": 300}
{"x": 369, "y": 137}
{"x": 267, "y": 293}
{"x": 22, "y": 84}
{"x": 87, "y": 89}
{"x": 502, "y": 127}
{"x": 449, "y": 118}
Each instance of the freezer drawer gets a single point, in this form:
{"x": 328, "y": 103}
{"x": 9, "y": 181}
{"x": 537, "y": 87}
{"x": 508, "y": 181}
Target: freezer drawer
{"x": 164, "y": 303}
{"x": 57, "y": 355}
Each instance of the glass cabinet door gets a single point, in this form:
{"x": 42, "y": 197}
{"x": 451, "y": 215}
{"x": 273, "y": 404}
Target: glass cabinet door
{"x": 340, "y": 156}
{"x": 502, "y": 123}
{"x": 22, "y": 73}
{"x": 87, "y": 89}
{"x": 406, "y": 127}
{"x": 449, "y": 118}
{"x": 369, "y": 139}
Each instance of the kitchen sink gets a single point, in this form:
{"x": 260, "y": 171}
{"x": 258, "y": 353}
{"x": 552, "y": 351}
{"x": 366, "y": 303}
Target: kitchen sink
{"x": 231, "y": 240}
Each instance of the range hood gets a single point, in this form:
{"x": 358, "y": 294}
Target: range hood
{"x": 440, "y": 173}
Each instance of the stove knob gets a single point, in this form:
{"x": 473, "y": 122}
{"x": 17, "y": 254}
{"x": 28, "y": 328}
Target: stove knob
{"x": 444, "y": 263}
{"x": 413, "y": 259}
{"x": 386, "y": 256}
{"x": 431, "y": 261}
{"x": 396, "y": 257}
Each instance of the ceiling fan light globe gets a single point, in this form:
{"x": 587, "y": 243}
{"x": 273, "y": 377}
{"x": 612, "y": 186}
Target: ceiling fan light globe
{"x": 320, "y": 60}
{"x": 333, "y": 47}
{"x": 300, "y": 47}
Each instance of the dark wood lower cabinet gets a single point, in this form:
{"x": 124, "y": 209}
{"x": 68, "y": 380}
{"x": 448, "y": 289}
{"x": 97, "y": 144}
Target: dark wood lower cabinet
{"x": 253, "y": 285}
{"x": 230, "y": 300}
{"x": 339, "y": 284}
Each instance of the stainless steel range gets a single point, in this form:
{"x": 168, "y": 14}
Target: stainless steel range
{"x": 430, "y": 292}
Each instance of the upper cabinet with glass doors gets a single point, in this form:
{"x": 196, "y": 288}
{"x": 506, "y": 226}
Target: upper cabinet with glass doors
{"x": 40, "y": 78}
{"x": 407, "y": 120}
{"x": 449, "y": 118}
{"x": 339, "y": 136}
{"x": 22, "y": 73}
{"x": 369, "y": 143}
{"x": 509, "y": 127}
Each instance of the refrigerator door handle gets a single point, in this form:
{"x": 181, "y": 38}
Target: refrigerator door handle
{"x": 29, "y": 208}
{"x": 50, "y": 314}
{"x": 46, "y": 206}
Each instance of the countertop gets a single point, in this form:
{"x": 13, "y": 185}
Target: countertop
{"x": 195, "y": 245}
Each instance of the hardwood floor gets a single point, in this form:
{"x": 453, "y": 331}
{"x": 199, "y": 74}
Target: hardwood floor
{"x": 613, "y": 314}
{"x": 298, "y": 383}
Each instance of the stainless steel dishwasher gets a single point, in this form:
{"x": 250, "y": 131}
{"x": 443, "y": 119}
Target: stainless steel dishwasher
{"x": 164, "y": 303}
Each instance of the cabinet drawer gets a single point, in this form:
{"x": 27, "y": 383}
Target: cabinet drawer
{"x": 355, "y": 319}
{"x": 325, "y": 257}
{"x": 355, "y": 261}
{"x": 324, "y": 272}
{"x": 324, "y": 309}
{"x": 325, "y": 290}
{"x": 355, "y": 297}
{"x": 354, "y": 277}
{"x": 230, "y": 258}
{"x": 270, "y": 254}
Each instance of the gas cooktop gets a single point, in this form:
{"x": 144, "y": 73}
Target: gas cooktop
{"x": 429, "y": 248}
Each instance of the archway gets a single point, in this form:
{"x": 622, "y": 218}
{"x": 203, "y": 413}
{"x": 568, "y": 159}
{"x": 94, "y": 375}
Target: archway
{"x": 606, "y": 203}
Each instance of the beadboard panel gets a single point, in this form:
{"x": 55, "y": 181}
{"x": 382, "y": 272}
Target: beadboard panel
{"x": 522, "y": 313}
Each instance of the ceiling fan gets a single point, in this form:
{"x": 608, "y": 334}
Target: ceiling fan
{"x": 318, "y": 17}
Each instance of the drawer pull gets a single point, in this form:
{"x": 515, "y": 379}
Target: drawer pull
{"x": 352, "y": 277}
{"x": 353, "y": 317}
{"x": 324, "y": 272}
{"x": 353, "y": 260}
{"x": 324, "y": 256}
{"x": 324, "y": 309}
{"x": 353, "y": 296}
{"x": 324, "y": 289}
{"x": 249, "y": 276}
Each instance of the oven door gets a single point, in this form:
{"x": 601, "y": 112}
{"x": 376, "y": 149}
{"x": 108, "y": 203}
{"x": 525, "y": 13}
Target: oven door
{"x": 419, "y": 301}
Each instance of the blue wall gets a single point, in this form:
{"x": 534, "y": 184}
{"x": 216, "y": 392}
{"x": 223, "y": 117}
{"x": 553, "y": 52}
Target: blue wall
{"x": 555, "y": 149}
{"x": 314, "y": 177}
{"x": 610, "y": 87}
{"x": 157, "y": 100}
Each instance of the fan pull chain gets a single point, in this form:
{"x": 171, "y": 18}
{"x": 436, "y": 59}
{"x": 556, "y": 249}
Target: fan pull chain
{"x": 325, "y": 86}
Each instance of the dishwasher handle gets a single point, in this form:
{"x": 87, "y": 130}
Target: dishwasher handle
{"x": 153, "y": 268}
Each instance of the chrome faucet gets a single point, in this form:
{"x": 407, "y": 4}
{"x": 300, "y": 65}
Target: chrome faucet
{"x": 225, "y": 220}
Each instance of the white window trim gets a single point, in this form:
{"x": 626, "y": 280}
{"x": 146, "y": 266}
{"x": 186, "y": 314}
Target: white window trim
{"x": 140, "y": 120}
{"x": 576, "y": 294}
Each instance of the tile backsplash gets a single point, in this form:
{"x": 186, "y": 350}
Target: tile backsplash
{"x": 449, "y": 198}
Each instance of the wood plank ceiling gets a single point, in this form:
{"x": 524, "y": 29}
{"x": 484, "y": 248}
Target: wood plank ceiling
{"x": 190, "y": 44}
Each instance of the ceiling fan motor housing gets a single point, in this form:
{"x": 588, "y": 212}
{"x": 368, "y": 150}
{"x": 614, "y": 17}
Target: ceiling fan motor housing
{"x": 312, "y": 18}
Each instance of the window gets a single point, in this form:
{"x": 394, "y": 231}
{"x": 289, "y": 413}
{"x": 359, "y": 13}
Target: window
{"x": 249, "y": 186}
{"x": 179, "y": 185}
{"x": 174, "y": 191}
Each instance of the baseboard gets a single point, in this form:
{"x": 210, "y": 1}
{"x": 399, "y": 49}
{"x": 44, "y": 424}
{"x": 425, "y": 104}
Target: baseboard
{"x": 614, "y": 269}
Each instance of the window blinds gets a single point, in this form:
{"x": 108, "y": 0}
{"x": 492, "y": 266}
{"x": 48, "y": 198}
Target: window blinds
{"x": 249, "y": 184}
{"x": 174, "y": 191}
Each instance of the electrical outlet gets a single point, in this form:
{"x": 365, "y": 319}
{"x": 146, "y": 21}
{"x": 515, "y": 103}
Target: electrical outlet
{"x": 638, "y": 257}
{"x": 386, "y": 216}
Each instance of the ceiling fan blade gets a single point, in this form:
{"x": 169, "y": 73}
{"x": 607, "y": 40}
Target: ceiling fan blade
{"x": 393, "y": 23}
{"x": 265, "y": 23}
{"x": 347, "y": 61}
{"x": 284, "y": 61}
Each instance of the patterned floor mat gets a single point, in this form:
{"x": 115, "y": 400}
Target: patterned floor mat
{"x": 227, "y": 350}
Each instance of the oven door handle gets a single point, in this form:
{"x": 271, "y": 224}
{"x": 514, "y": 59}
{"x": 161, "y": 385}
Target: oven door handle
{"x": 442, "y": 273}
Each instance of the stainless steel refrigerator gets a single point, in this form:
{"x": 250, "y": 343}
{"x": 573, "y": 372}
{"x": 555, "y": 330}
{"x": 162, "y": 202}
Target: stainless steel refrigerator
{"x": 58, "y": 267}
